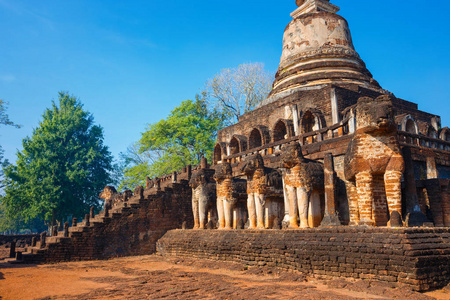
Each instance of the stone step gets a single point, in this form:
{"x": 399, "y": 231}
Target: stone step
{"x": 77, "y": 229}
{"x": 56, "y": 239}
{"x": 32, "y": 258}
{"x": 35, "y": 250}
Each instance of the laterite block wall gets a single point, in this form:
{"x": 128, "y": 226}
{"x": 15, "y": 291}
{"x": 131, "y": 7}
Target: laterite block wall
{"x": 416, "y": 257}
{"x": 133, "y": 230}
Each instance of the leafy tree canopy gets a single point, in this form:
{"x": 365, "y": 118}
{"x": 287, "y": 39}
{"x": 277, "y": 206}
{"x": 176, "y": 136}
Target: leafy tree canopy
{"x": 62, "y": 168}
{"x": 188, "y": 133}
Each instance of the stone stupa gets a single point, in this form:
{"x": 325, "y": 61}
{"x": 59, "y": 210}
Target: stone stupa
{"x": 318, "y": 49}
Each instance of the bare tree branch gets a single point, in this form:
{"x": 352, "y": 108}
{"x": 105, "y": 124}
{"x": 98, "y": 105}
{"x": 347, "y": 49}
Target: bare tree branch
{"x": 239, "y": 90}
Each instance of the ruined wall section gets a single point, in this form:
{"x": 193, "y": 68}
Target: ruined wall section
{"x": 416, "y": 257}
{"x": 129, "y": 229}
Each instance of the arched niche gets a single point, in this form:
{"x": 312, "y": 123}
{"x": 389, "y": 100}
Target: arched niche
{"x": 255, "y": 139}
{"x": 283, "y": 129}
{"x": 311, "y": 120}
{"x": 238, "y": 143}
{"x": 431, "y": 132}
{"x": 220, "y": 150}
{"x": 258, "y": 136}
{"x": 445, "y": 134}
{"x": 409, "y": 125}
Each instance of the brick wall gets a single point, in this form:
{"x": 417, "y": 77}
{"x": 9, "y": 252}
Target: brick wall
{"x": 130, "y": 230}
{"x": 23, "y": 239}
{"x": 419, "y": 258}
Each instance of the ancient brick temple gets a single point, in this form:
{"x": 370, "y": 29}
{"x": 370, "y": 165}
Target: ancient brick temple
{"x": 331, "y": 175}
{"x": 325, "y": 99}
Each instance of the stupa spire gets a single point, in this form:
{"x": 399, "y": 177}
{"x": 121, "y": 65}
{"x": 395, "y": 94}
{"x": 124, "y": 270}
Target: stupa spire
{"x": 311, "y": 6}
{"x": 318, "y": 49}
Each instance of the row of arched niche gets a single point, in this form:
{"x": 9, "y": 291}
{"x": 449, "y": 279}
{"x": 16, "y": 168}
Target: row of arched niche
{"x": 408, "y": 124}
{"x": 260, "y": 135}
{"x": 310, "y": 121}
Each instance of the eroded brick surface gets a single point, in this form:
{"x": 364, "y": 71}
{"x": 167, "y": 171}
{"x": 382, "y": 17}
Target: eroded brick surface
{"x": 416, "y": 257}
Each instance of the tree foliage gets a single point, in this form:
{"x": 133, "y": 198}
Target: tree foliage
{"x": 3, "y": 164}
{"x": 187, "y": 134}
{"x": 239, "y": 90}
{"x": 4, "y": 118}
{"x": 62, "y": 168}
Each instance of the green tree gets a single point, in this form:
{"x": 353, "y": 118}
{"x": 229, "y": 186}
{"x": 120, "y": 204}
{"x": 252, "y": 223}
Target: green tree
{"x": 4, "y": 120}
{"x": 3, "y": 164}
{"x": 6, "y": 223}
{"x": 62, "y": 168}
{"x": 187, "y": 134}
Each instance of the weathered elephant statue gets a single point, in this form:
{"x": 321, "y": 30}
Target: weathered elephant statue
{"x": 374, "y": 164}
{"x": 304, "y": 181}
{"x": 264, "y": 192}
{"x": 231, "y": 197}
{"x": 203, "y": 197}
{"x": 112, "y": 197}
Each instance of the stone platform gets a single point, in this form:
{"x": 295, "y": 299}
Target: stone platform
{"x": 416, "y": 257}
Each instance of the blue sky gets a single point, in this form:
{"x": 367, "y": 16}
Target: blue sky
{"x": 131, "y": 62}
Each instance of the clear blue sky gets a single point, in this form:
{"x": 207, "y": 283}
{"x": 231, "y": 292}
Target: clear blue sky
{"x": 131, "y": 62}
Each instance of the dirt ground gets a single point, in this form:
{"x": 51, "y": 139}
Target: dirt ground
{"x": 156, "y": 277}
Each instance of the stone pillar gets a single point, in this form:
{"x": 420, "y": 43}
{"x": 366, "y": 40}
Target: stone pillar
{"x": 12, "y": 249}
{"x": 352, "y": 122}
{"x": 86, "y": 220}
{"x": 432, "y": 171}
{"x": 55, "y": 230}
{"x": 174, "y": 177}
{"x": 74, "y": 222}
{"x": 43, "y": 237}
{"x": 203, "y": 163}
{"x": 33, "y": 241}
{"x": 334, "y": 106}
{"x": 331, "y": 217}
{"x": 295, "y": 119}
{"x": 66, "y": 229}
{"x": 92, "y": 212}
{"x": 189, "y": 171}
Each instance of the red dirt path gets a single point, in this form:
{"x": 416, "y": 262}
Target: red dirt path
{"x": 156, "y": 277}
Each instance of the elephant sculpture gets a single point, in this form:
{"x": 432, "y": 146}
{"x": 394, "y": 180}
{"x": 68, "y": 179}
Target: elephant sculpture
{"x": 374, "y": 164}
{"x": 112, "y": 197}
{"x": 264, "y": 192}
{"x": 304, "y": 182}
{"x": 203, "y": 197}
{"x": 231, "y": 197}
